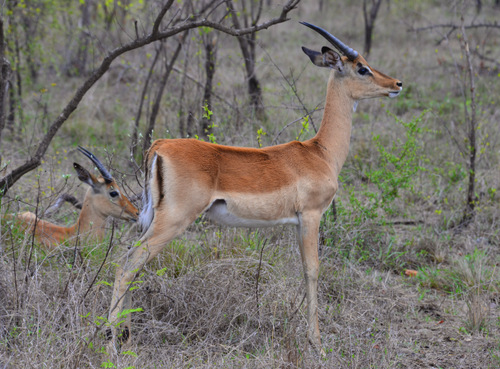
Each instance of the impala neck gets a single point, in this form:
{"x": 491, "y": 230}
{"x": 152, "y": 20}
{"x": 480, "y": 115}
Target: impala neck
{"x": 335, "y": 132}
{"x": 90, "y": 218}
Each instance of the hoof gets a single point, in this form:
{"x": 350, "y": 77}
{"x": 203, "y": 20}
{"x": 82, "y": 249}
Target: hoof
{"x": 123, "y": 337}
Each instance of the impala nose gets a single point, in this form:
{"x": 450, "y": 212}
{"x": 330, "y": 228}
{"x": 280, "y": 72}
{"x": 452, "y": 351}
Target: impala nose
{"x": 399, "y": 84}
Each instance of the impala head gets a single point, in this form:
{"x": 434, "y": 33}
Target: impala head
{"x": 105, "y": 195}
{"x": 363, "y": 81}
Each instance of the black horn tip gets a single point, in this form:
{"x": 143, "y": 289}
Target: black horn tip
{"x": 307, "y": 24}
{"x": 86, "y": 152}
{"x": 346, "y": 50}
{"x": 104, "y": 172}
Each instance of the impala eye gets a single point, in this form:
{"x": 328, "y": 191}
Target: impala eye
{"x": 363, "y": 71}
{"x": 113, "y": 193}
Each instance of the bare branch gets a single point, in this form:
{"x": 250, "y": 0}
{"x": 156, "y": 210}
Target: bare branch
{"x": 192, "y": 79}
{"x": 455, "y": 26}
{"x": 484, "y": 57}
{"x": 160, "y": 16}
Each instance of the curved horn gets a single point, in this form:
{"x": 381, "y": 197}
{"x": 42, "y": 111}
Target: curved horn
{"x": 104, "y": 172}
{"x": 346, "y": 50}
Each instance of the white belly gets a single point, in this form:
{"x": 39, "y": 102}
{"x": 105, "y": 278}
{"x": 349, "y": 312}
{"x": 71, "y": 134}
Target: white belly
{"x": 219, "y": 213}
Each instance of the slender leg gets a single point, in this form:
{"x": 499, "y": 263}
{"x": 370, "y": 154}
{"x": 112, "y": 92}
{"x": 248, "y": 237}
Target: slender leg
{"x": 128, "y": 267}
{"x": 308, "y": 229}
{"x": 125, "y": 274}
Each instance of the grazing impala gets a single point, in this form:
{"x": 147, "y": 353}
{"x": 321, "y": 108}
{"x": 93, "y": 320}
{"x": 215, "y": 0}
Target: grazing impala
{"x": 292, "y": 183}
{"x": 103, "y": 199}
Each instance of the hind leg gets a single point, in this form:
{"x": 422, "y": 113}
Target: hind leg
{"x": 129, "y": 266}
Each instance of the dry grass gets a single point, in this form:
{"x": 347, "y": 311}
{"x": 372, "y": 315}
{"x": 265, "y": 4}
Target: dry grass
{"x": 210, "y": 301}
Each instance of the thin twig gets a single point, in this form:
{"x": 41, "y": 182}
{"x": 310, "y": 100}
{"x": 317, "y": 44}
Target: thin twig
{"x": 455, "y": 27}
{"x": 32, "y": 246}
{"x": 184, "y": 73}
{"x": 405, "y": 222}
{"x": 293, "y": 86}
{"x": 258, "y": 273}
{"x": 103, "y": 262}
{"x": 275, "y": 140}
{"x": 484, "y": 57}
{"x": 77, "y": 243}
{"x": 297, "y": 310}
{"x": 14, "y": 262}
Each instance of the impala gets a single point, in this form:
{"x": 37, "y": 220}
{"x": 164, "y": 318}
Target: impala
{"x": 292, "y": 183}
{"x": 103, "y": 199}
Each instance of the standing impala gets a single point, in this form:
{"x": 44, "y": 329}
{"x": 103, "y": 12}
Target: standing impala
{"x": 103, "y": 199}
{"x": 292, "y": 183}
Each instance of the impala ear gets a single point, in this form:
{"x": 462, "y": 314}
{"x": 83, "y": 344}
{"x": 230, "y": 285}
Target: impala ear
{"x": 316, "y": 57}
{"x": 326, "y": 58}
{"x": 84, "y": 175}
{"x": 332, "y": 59}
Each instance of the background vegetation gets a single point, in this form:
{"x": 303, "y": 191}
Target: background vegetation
{"x": 418, "y": 191}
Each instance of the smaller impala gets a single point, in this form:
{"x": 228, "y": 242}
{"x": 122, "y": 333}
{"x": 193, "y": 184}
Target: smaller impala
{"x": 103, "y": 199}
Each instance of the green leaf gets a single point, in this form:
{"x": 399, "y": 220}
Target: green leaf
{"x": 126, "y": 312}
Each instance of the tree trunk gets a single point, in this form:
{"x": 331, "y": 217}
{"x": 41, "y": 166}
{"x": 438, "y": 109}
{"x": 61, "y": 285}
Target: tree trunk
{"x": 479, "y": 6}
{"x": 16, "y": 101}
{"x": 79, "y": 63}
{"x": 12, "y": 107}
{"x": 134, "y": 140}
{"x": 370, "y": 23}
{"x": 247, "y": 45}
{"x": 4, "y": 80}
{"x": 190, "y": 124}
{"x": 29, "y": 27}
{"x": 182, "y": 115}
{"x": 156, "y": 106}
{"x": 210, "y": 64}
{"x": 472, "y": 125}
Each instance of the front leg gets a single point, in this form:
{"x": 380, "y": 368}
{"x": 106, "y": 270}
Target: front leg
{"x": 308, "y": 230}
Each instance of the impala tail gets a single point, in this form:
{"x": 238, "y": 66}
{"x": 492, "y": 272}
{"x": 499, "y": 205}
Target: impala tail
{"x": 148, "y": 199}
